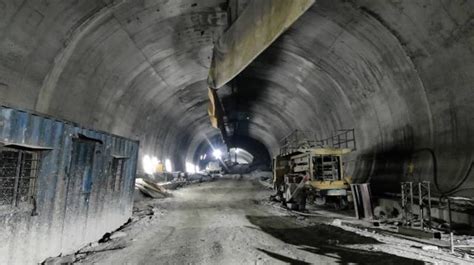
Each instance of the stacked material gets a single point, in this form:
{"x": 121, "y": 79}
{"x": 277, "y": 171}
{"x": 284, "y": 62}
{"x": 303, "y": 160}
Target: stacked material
{"x": 151, "y": 189}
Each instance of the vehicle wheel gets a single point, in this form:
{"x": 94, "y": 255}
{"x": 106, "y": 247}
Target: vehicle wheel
{"x": 302, "y": 203}
{"x": 341, "y": 203}
{"x": 292, "y": 206}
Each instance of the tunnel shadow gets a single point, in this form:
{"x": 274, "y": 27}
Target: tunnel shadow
{"x": 245, "y": 92}
{"x": 325, "y": 240}
{"x": 248, "y": 89}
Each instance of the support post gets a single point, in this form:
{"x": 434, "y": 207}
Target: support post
{"x": 17, "y": 178}
{"x": 451, "y": 235}
{"x": 407, "y": 202}
{"x": 428, "y": 191}
{"x": 420, "y": 204}
{"x": 451, "y": 242}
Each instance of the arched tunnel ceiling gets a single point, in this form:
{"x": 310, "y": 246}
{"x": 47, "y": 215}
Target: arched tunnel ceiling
{"x": 399, "y": 72}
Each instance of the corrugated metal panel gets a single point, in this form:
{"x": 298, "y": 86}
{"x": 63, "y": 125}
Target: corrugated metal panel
{"x": 73, "y": 209}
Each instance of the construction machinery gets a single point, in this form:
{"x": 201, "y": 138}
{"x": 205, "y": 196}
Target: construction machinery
{"x": 312, "y": 170}
{"x": 214, "y": 167}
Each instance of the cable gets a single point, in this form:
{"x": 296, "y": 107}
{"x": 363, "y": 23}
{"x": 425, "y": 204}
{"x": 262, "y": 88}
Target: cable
{"x": 456, "y": 188}
{"x": 435, "y": 165}
{"x": 435, "y": 172}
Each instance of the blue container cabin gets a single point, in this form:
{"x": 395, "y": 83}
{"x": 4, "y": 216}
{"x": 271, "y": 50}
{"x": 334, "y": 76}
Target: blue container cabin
{"x": 61, "y": 185}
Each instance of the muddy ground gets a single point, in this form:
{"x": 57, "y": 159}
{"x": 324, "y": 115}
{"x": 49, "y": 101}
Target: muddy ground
{"x": 230, "y": 222}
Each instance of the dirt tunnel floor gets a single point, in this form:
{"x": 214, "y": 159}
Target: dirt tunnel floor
{"x": 230, "y": 222}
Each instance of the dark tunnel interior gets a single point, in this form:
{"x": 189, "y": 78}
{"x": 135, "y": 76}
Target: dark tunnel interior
{"x": 253, "y": 152}
{"x": 400, "y": 73}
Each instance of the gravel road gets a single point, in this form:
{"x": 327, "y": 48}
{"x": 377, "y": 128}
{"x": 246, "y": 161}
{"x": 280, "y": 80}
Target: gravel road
{"x": 228, "y": 222}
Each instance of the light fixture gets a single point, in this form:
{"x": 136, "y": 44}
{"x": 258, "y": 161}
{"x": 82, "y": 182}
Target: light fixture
{"x": 149, "y": 164}
{"x": 217, "y": 153}
{"x": 190, "y": 168}
{"x": 168, "y": 166}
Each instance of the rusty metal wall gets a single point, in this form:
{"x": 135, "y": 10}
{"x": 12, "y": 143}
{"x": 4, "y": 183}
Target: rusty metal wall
{"x": 72, "y": 208}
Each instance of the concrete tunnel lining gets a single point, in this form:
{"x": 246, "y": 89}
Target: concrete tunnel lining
{"x": 400, "y": 73}
{"x": 139, "y": 70}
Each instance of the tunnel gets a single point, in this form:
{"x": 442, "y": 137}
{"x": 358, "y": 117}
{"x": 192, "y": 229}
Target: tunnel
{"x": 400, "y": 73}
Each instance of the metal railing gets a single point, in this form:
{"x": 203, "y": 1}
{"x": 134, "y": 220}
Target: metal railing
{"x": 344, "y": 138}
{"x": 300, "y": 140}
{"x": 297, "y": 140}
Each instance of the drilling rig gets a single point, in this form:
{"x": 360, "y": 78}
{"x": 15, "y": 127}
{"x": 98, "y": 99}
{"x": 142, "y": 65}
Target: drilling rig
{"x": 308, "y": 170}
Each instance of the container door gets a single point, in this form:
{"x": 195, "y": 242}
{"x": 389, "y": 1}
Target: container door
{"x": 78, "y": 190}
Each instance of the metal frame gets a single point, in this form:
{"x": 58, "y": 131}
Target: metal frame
{"x": 407, "y": 202}
{"x": 25, "y": 173}
{"x": 118, "y": 167}
{"x": 422, "y": 191}
{"x": 452, "y": 245}
{"x": 344, "y": 138}
{"x": 424, "y": 195}
{"x": 299, "y": 140}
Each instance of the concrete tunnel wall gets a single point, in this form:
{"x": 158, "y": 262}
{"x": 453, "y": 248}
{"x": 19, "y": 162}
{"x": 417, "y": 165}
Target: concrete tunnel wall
{"x": 399, "y": 72}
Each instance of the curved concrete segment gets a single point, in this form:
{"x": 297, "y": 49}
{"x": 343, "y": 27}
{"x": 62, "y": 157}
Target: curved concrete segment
{"x": 400, "y": 72}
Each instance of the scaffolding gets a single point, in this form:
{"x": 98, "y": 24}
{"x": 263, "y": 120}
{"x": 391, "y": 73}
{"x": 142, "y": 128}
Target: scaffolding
{"x": 410, "y": 192}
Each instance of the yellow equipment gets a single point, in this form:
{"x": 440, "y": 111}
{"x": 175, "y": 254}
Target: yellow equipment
{"x": 160, "y": 168}
{"x": 309, "y": 172}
